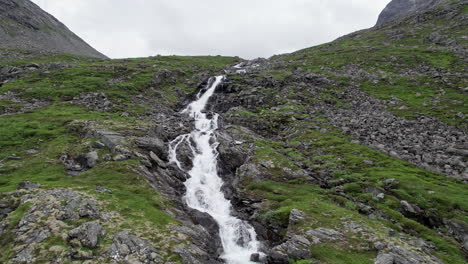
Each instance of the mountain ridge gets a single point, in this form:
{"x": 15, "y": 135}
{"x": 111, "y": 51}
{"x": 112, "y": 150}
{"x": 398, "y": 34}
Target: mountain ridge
{"x": 24, "y": 25}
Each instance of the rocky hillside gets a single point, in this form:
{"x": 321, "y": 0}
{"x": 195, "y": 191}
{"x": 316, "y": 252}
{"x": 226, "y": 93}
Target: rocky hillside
{"x": 24, "y": 25}
{"x": 401, "y": 8}
{"x": 351, "y": 152}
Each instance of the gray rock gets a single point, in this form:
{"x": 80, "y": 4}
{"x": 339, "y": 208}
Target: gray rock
{"x": 98, "y": 145}
{"x": 24, "y": 256}
{"x": 108, "y": 138}
{"x": 157, "y": 160}
{"x": 400, "y": 8}
{"x": 384, "y": 258}
{"x": 38, "y": 31}
{"x": 91, "y": 159}
{"x": 87, "y": 234}
{"x": 153, "y": 144}
{"x": 255, "y": 257}
{"x": 296, "y": 216}
{"x": 125, "y": 245}
{"x": 411, "y": 208}
{"x": 28, "y": 185}
{"x": 297, "y": 247}
{"x": 31, "y": 151}
{"x": 323, "y": 235}
{"x": 119, "y": 157}
{"x": 102, "y": 189}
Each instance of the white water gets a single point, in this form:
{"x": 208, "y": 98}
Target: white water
{"x": 204, "y": 186}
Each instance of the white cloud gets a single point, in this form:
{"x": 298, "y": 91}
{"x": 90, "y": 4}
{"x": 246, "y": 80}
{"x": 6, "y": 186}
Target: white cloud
{"x": 247, "y": 28}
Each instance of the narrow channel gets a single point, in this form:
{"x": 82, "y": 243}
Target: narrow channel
{"x": 204, "y": 193}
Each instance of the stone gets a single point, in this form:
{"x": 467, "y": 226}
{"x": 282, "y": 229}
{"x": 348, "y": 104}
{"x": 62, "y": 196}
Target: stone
{"x": 153, "y": 144}
{"x": 383, "y": 258}
{"x": 31, "y": 151}
{"x": 159, "y": 162}
{"x": 380, "y": 196}
{"x": 91, "y": 159}
{"x": 297, "y": 247}
{"x": 119, "y": 157}
{"x": 125, "y": 245}
{"x": 24, "y": 256}
{"x": 296, "y": 216}
{"x": 108, "y": 138}
{"x": 28, "y": 185}
{"x": 255, "y": 257}
{"x": 323, "y": 235}
{"x": 411, "y": 208}
{"x": 102, "y": 189}
{"x": 98, "y": 145}
{"x": 88, "y": 234}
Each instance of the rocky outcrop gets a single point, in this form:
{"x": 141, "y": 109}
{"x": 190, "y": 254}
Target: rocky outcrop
{"x": 25, "y": 25}
{"x": 400, "y": 8}
{"x": 128, "y": 248}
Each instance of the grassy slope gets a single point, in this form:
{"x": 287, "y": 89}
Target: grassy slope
{"x": 49, "y": 130}
{"x": 46, "y": 129}
{"x": 303, "y": 142}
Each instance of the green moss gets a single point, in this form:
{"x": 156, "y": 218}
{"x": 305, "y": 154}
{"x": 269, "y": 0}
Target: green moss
{"x": 15, "y": 217}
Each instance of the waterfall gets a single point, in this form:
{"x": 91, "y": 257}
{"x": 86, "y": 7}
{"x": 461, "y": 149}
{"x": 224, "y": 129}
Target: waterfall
{"x": 204, "y": 185}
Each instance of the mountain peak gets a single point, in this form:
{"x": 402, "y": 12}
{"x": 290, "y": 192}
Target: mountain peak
{"x": 25, "y": 25}
{"x": 401, "y": 8}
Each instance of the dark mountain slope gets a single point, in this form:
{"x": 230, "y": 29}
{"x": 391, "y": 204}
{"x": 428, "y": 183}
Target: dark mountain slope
{"x": 401, "y": 8}
{"x": 24, "y": 25}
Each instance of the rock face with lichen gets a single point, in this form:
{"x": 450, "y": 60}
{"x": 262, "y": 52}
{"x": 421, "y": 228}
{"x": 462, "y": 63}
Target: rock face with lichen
{"x": 24, "y": 25}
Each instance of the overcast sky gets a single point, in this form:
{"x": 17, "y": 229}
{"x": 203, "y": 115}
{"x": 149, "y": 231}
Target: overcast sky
{"x": 246, "y": 28}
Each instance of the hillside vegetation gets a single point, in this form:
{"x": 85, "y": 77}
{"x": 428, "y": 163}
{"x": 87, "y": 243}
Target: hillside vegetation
{"x": 353, "y": 151}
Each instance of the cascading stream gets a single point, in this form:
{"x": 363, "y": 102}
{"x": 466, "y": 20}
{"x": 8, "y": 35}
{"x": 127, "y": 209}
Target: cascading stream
{"x": 204, "y": 185}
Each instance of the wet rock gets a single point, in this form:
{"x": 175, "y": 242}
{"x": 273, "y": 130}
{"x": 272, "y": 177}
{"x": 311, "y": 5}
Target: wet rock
{"x": 87, "y": 234}
{"x": 157, "y": 160}
{"x": 255, "y": 257}
{"x": 98, "y": 145}
{"x": 28, "y": 185}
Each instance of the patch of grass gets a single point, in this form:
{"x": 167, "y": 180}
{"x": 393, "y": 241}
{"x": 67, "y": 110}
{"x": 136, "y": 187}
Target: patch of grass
{"x": 15, "y": 217}
{"x": 331, "y": 254}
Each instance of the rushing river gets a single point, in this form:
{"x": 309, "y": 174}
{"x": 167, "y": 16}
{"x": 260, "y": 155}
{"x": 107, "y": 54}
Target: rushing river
{"x": 204, "y": 185}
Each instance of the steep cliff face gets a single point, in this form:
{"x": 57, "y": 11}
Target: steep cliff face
{"x": 24, "y": 25}
{"x": 401, "y": 8}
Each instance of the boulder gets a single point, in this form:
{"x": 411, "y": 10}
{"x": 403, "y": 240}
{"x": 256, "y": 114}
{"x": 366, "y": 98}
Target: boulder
{"x": 384, "y": 258}
{"x": 125, "y": 245}
{"x": 157, "y": 160}
{"x": 28, "y": 185}
{"x": 153, "y": 144}
{"x": 87, "y": 234}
